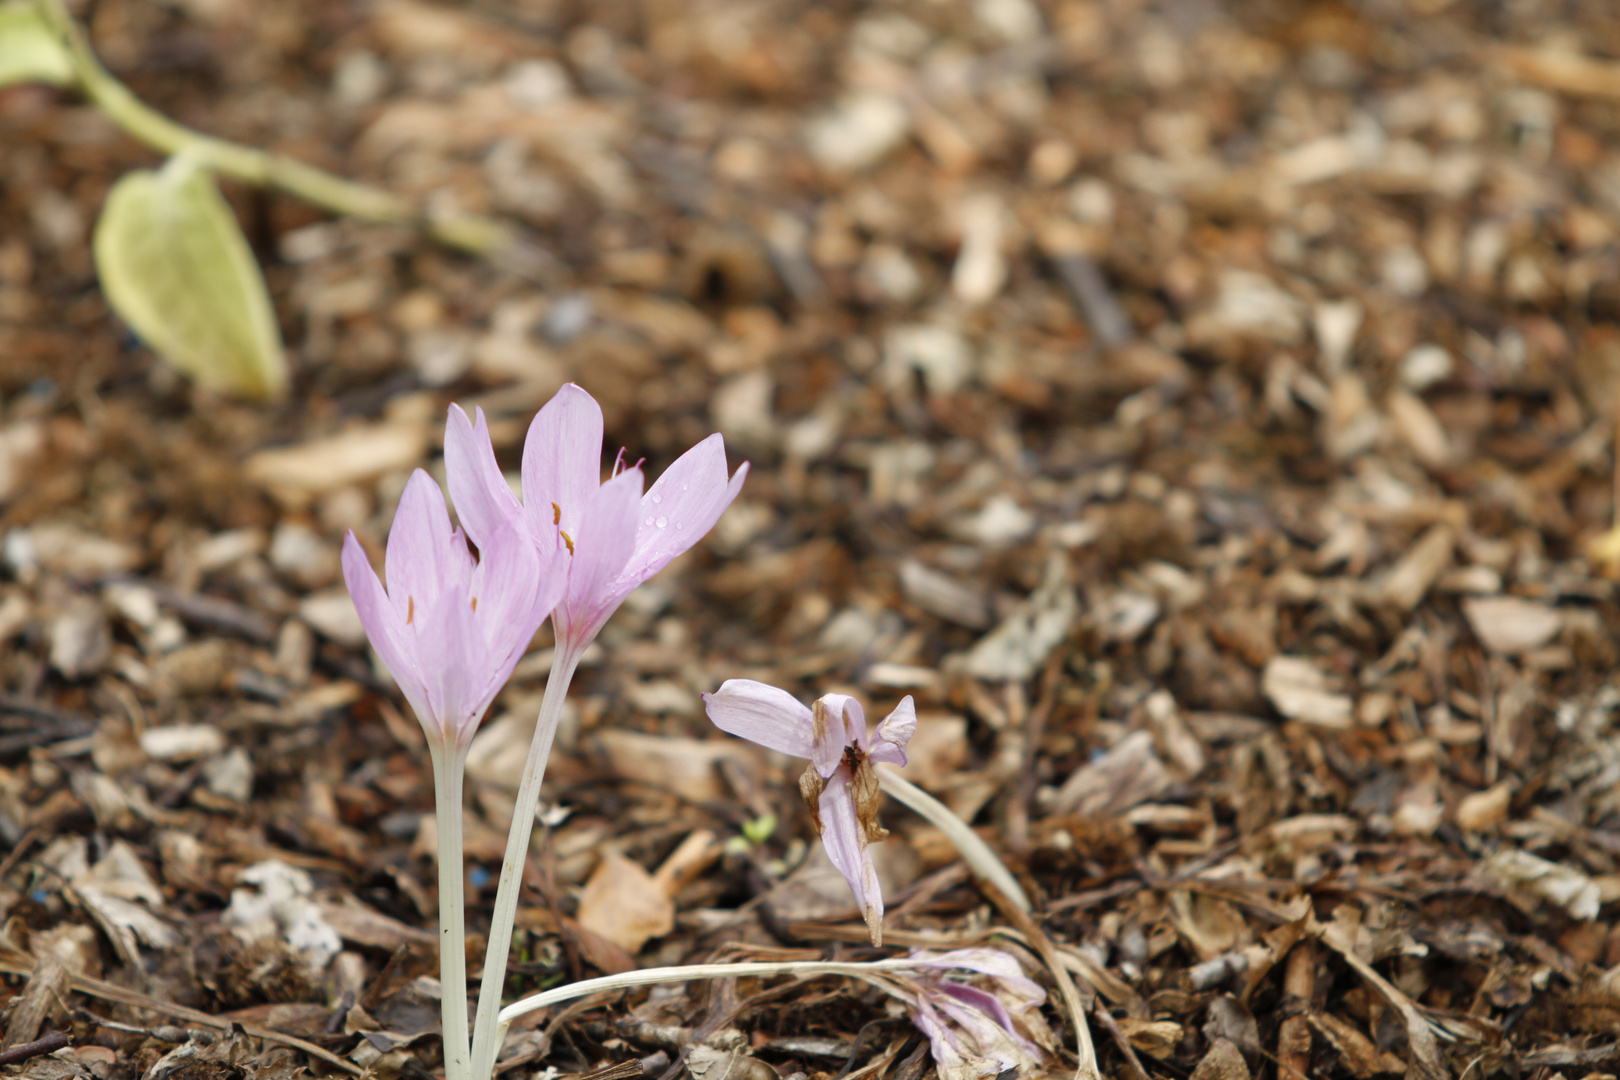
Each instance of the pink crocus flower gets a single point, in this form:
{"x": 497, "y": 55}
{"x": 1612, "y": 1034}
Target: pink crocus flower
{"x": 841, "y": 785}
{"x": 615, "y": 536}
{"x": 450, "y": 627}
{"x": 977, "y": 1030}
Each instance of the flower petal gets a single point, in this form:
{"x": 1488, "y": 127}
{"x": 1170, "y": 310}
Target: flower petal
{"x": 562, "y": 461}
{"x": 382, "y": 624}
{"x": 762, "y": 714}
{"x": 484, "y": 501}
{"x": 841, "y": 835}
{"x": 683, "y": 505}
{"x": 982, "y": 1000}
{"x": 606, "y": 537}
{"x": 996, "y": 963}
{"x": 888, "y": 743}
{"x": 991, "y": 1044}
{"x": 511, "y": 588}
{"x": 844, "y": 717}
{"x": 453, "y": 661}
{"x": 943, "y": 1044}
{"x": 422, "y": 555}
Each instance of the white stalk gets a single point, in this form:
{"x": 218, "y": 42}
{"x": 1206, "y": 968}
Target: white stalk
{"x": 975, "y": 852}
{"x": 690, "y": 973}
{"x": 486, "y": 1039}
{"x": 449, "y": 763}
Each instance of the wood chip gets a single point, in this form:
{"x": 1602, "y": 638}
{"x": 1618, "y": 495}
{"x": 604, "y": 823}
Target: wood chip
{"x": 1511, "y": 624}
{"x": 1300, "y": 691}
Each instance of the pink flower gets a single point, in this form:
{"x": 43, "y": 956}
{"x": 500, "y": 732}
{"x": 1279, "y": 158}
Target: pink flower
{"x": 977, "y": 1030}
{"x": 841, "y": 785}
{"x": 449, "y": 626}
{"x": 615, "y": 537}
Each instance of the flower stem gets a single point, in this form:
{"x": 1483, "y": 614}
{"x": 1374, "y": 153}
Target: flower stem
{"x": 975, "y": 852}
{"x": 467, "y": 232}
{"x": 448, "y": 767}
{"x": 486, "y": 1039}
{"x": 692, "y": 972}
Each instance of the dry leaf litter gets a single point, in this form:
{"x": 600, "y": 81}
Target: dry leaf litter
{"x": 1206, "y": 411}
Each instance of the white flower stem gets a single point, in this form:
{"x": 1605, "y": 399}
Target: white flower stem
{"x": 689, "y": 973}
{"x": 448, "y": 766}
{"x": 975, "y": 852}
{"x": 486, "y": 1039}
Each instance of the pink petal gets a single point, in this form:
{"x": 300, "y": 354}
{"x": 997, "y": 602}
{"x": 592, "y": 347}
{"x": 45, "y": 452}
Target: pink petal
{"x": 762, "y": 714}
{"x": 382, "y": 624}
{"x": 508, "y": 584}
{"x": 943, "y": 1044}
{"x": 453, "y": 659}
{"x": 995, "y": 1047}
{"x": 606, "y": 537}
{"x": 562, "y": 461}
{"x": 422, "y": 558}
{"x": 1000, "y": 965}
{"x": 484, "y": 501}
{"x": 841, "y": 836}
{"x": 888, "y": 743}
{"x": 845, "y": 717}
{"x": 683, "y": 506}
{"x": 982, "y": 1000}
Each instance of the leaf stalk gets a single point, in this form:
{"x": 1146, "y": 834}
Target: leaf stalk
{"x": 471, "y": 233}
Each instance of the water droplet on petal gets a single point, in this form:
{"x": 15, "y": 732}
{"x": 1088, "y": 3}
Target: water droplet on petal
{"x": 657, "y": 498}
{"x": 649, "y": 521}
{"x": 685, "y": 486}
{"x": 662, "y": 522}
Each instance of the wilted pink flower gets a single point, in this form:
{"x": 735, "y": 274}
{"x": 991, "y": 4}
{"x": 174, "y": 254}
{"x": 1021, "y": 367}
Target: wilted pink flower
{"x": 841, "y": 785}
{"x": 978, "y": 1030}
{"x": 615, "y": 537}
{"x": 450, "y": 627}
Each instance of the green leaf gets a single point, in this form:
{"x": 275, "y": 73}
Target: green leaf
{"x": 29, "y": 50}
{"x": 760, "y": 829}
{"x": 175, "y": 265}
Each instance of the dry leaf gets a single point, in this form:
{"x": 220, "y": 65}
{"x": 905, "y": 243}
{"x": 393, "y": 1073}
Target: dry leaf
{"x": 625, "y": 904}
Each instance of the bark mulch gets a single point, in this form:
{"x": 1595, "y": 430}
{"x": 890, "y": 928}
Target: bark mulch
{"x": 1206, "y": 411}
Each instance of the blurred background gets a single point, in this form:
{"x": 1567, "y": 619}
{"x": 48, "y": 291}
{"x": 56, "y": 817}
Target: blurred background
{"x": 1224, "y": 386}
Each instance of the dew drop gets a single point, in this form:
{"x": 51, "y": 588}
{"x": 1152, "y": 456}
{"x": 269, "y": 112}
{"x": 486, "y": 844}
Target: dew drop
{"x": 649, "y": 521}
{"x": 662, "y": 522}
{"x": 685, "y": 486}
{"x": 657, "y": 498}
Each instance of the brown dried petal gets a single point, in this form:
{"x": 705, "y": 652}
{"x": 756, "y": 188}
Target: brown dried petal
{"x": 864, "y": 786}
{"x": 810, "y": 786}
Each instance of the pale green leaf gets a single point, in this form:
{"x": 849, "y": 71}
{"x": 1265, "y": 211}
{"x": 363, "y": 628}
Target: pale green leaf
{"x": 175, "y": 265}
{"x": 29, "y": 50}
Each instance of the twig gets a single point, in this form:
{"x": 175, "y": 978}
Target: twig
{"x": 15, "y": 855}
{"x": 1028, "y": 781}
{"x": 47, "y": 1043}
{"x": 1092, "y": 293}
{"x": 1107, "y": 1020}
{"x": 467, "y": 232}
{"x": 1420, "y": 1033}
{"x": 1294, "y": 1036}
{"x": 12, "y": 963}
